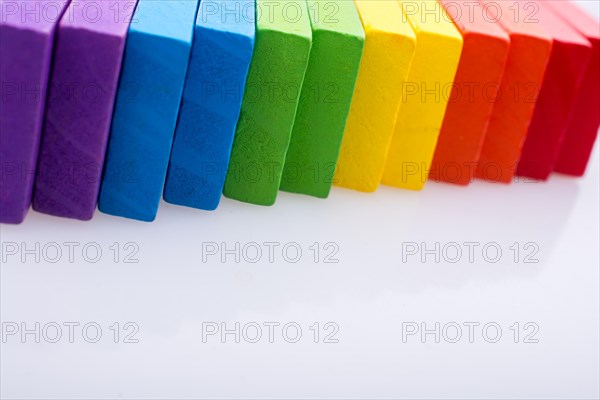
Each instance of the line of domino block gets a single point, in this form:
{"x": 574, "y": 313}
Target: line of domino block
{"x": 513, "y": 109}
{"x": 481, "y": 66}
{"x": 568, "y": 62}
{"x": 69, "y": 165}
{"x": 325, "y": 100}
{"x": 433, "y": 69}
{"x": 214, "y": 87}
{"x": 155, "y": 63}
{"x": 274, "y": 83}
{"x": 25, "y": 56}
{"x": 388, "y": 52}
{"x": 582, "y": 132}
{"x": 85, "y": 74}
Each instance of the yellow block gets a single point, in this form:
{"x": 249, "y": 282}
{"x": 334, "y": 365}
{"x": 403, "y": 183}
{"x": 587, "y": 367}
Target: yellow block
{"x": 388, "y": 51}
{"x": 426, "y": 94}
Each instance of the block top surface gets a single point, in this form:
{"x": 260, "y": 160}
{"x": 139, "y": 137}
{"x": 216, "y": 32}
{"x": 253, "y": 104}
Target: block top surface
{"x": 577, "y": 18}
{"x": 384, "y": 16}
{"x": 110, "y": 17}
{"x": 557, "y": 27}
{"x": 515, "y": 22}
{"x": 336, "y": 16}
{"x": 468, "y": 17}
{"x": 168, "y": 18}
{"x": 237, "y": 16}
{"x": 426, "y": 16}
{"x": 35, "y": 15}
{"x": 286, "y": 16}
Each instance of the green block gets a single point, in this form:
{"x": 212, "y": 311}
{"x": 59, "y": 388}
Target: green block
{"x": 281, "y": 52}
{"x": 338, "y": 41}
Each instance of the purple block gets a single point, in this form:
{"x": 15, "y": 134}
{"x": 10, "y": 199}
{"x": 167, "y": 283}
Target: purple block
{"x": 26, "y": 38}
{"x": 85, "y": 72}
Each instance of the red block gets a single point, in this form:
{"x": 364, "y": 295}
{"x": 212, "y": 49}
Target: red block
{"x": 528, "y": 56}
{"x": 568, "y": 63}
{"x": 583, "y": 128}
{"x": 485, "y": 49}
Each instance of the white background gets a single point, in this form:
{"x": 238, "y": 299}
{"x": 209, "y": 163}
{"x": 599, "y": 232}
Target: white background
{"x": 372, "y": 295}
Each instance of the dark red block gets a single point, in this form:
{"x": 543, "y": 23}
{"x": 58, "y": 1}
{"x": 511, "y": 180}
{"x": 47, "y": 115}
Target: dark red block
{"x": 568, "y": 63}
{"x": 583, "y": 128}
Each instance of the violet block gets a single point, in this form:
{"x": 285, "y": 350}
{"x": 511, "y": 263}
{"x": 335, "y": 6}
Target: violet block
{"x": 85, "y": 74}
{"x": 26, "y": 39}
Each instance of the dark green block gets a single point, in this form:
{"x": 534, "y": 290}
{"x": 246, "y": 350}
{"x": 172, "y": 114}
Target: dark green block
{"x": 262, "y": 138}
{"x": 325, "y": 100}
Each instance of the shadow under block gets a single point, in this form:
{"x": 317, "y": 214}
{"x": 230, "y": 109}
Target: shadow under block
{"x": 212, "y": 98}
{"x": 155, "y": 62}
{"x": 482, "y": 62}
{"x": 269, "y": 106}
{"x": 387, "y": 55}
{"x": 25, "y": 56}
{"x": 528, "y": 56}
{"x": 431, "y": 76}
{"x": 84, "y": 79}
{"x": 325, "y": 99}
{"x": 568, "y": 63}
{"x": 582, "y": 131}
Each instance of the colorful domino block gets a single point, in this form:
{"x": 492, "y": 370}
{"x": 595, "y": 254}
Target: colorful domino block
{"x": 25, "y": 54}
{"x": 583, "y": 128}
{"x": 388, "y": 52}
{"x": 84, "y": 79}
{"x": 154, "y": 67}
{"x": 325, "y": 100}
{"x": 568, "y": 63}
{"x": 429, "y": 83}
{"x": 221, "y": 55}
{"x": 482, "y": 62}
{"x": 528, "y": 56}
{"x": 270, "y": 101}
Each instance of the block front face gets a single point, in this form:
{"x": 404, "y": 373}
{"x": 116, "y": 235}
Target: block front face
{"x": 582, "y": 132}
{"x": 325, "y": 101}
{"x": 431, "y": 76}
{"x": 214, "y": 88}
{"x": 25, "y": 57}
{"x": 84, "y": 80}
{"x": 269, "y": 107}
{"x": 482, "y": 62}
{"x": 24, "y": 73}
{"x": 518, "y": 93}
{"x": 388, "y": 52}
{"x": 151, "y": 83}
{"x": 568, "y": 63}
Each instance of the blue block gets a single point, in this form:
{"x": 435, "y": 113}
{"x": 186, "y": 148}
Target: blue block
{"x": 212, "y": 98}
{"x": 155, "y": 64}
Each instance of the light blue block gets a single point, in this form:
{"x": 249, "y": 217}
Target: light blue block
{"x": 154, "y": 67}
{"x": 214, "y": 89}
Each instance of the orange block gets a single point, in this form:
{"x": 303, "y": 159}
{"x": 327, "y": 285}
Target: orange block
{"x": 528, "y": 57}
{"x": 484, "y": 54}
